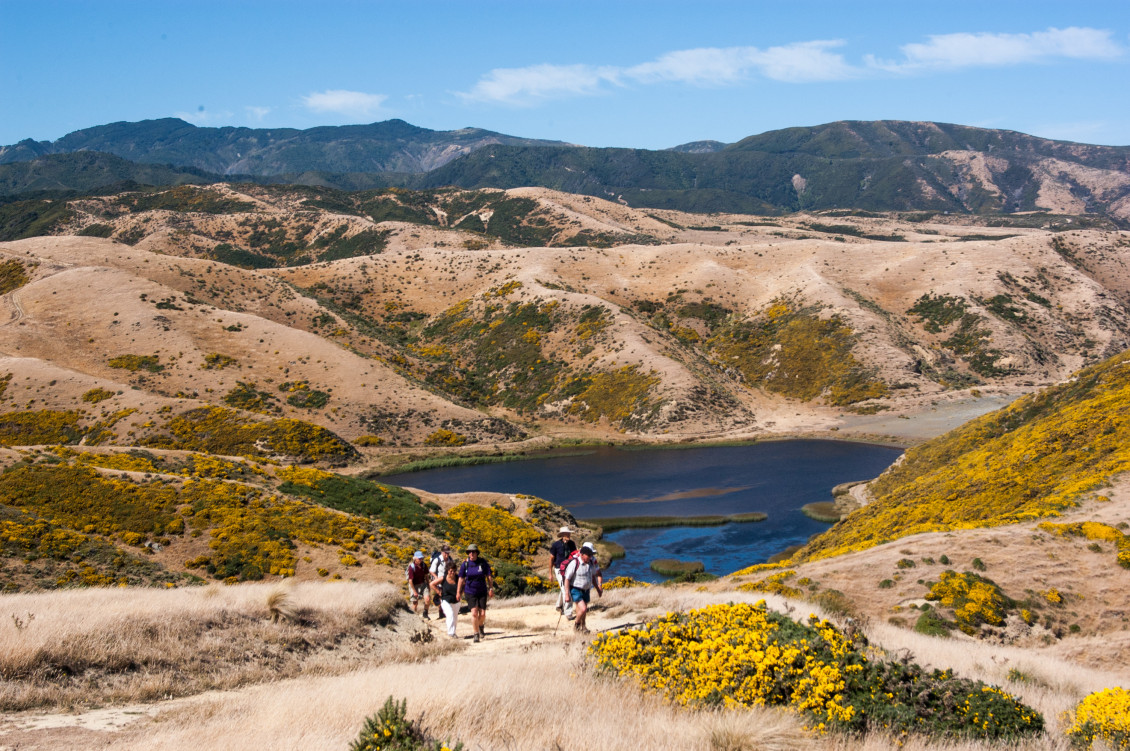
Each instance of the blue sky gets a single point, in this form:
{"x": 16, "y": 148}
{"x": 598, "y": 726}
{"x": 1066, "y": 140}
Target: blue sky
{"x": 642, "y": 74}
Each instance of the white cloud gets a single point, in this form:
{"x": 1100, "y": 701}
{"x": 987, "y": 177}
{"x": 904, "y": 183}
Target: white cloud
{"x": 800, "y": 62}
{"x": 965, "y": 50}
{"x": 709, "y": 66}
{"x": 344, "y": 102}
{"x": 257, "y": 113}
{"x": 538, "y": 82}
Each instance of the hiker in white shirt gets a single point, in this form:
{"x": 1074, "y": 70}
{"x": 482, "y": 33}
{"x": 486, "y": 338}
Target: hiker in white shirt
{"x": 581, "y": 576}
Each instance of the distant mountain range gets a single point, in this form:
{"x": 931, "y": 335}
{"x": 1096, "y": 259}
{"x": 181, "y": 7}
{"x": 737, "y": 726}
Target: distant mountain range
{"x": 876, "y": 166}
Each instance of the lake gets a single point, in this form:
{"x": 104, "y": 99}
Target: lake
{"x": 776, "y": 477}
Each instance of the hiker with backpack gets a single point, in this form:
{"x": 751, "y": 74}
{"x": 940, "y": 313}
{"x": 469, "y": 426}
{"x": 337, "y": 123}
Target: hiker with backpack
{"x": 446, "y": 589}
{"x": 476, "y": 582}
{"x": 417, "y": 575}
{"x": 583, "y": 574}
{"x": 560, "y": 553}
{"x": 441, "y": 562}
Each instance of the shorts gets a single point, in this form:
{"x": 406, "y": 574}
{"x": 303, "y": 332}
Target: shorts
{"x": 579, "y": 595}
{"x": 417, "y": 591}
{"x": 477, "y": 601}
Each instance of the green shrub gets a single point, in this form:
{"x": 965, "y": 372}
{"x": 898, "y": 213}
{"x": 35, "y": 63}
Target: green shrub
{"x": 673, "y": 567}
{"x": 391, "y": 730}
{"x": 134, "y": 363}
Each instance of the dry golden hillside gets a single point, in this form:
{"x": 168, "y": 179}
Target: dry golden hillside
{"x": 491, "y": 316}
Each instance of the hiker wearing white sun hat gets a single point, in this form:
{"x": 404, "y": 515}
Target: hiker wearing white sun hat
{"x": 559, "y": 552}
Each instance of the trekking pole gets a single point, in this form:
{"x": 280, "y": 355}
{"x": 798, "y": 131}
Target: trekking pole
{"x": 558, "y": 622}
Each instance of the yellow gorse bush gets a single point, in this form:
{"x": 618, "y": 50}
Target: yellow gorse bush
{"x": 497, "y": 533}
{"x": 624, "y": 582}
{"x": 1103, "y": 716}
{"x": 1094, "y": 531}
{"x": 773, "y": 584}
{"x": 730, "y": 654}
{"x": 1031, "y": 459}
{"x": 974, "y": 599}
{"x": 739, "y": 654}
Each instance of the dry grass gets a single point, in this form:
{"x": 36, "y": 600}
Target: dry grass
{"x": 539, "y": 698}
{"x": 533, "y": 692}
{"x": 114, "y": 645}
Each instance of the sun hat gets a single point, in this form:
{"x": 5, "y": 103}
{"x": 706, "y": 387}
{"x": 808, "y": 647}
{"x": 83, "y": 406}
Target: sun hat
{"x": 472, "y": 548}
{"x": 564, "y": 531}
{"x": 587, "y": 547}
{"x": 418, "y": 554}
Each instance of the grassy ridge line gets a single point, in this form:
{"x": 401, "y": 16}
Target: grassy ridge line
{"x": 1030, "y": 460}
{"x": 612, "y": 524}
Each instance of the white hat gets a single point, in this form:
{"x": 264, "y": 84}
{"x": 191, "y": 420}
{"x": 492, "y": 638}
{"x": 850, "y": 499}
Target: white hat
{"x": 564, "y": 531}
{"x": 588, "y": 546}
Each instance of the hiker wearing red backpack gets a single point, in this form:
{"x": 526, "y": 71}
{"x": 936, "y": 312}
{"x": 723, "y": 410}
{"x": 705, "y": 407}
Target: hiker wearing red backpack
{"x": 582, "y": 575}
{"x": 417, "y": 575}
{"x": 560, "y": 553}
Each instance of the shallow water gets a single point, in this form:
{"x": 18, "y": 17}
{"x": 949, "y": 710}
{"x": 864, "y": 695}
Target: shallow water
{"x": 776, "y": 478}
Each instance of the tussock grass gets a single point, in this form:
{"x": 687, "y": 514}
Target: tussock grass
{"x": 490, "y": 701}
{"x": 503, "y": 694}
{"x": 129, "y": 645}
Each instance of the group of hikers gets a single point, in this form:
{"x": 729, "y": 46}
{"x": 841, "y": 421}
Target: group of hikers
{"x": 445, "y": 584}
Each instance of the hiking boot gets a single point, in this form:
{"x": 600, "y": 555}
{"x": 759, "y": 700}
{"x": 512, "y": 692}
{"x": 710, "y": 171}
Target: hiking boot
{"x": 571, "y": 616}
{"x": 558, "y": 608}
{"x": 483, "y": 631}
{"x": 476, "y": 637}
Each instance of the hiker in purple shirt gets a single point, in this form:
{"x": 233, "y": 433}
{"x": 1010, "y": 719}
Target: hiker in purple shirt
{"x": 476, "y": 581}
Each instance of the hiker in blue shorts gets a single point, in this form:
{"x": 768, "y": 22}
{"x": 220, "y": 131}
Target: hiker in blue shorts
{"x": 476, "y": 582}
{"x": 581, "y": 576}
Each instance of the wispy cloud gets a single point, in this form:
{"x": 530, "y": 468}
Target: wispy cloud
{"x": 539, "y": 82}
{"x": 339, "y": 101}
{"x": 800, "y": 62}
{"x": 257, "y": 113}
{"x": 712, "y": 66}
{"x": 708, "y": 66}
{"x": 966, "y": 50}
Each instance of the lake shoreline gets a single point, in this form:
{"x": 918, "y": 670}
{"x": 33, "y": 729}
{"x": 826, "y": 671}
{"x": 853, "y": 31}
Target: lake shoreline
{"x": 444, "y": 459}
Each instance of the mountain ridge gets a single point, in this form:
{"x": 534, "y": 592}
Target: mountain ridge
{"x": 885, "y": 165}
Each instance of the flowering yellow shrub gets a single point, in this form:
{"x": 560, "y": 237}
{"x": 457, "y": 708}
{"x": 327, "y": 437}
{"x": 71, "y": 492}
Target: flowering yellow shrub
{"x": 759, "y": 567}
{"x": 308, "y": 476}
{"x": 1102, "y": 716}
{"x": 974, "y": 600}
{"x": 40, "y": 427}
{"x": 97, "y": 395}
{"x": 745, "y": 655}
{"x": 1029, "y": 460}
{"x": 497, "y": 533}
{"x": 624, "y": 582}
{"x": 773, "y": 584}
{"x": 445, "y": 437}
{"x": 216, "y": 430}
{"x": 1094, "y": 531}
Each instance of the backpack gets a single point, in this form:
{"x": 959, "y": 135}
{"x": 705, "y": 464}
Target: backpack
{"x": 574, "y": 556}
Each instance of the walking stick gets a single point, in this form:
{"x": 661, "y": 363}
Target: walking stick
{"x": 558, "y": 622}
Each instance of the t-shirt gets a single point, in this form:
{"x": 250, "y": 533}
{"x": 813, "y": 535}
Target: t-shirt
{"x": 560, "y": 550}
{"x": 417, "y": 574}
{"x": 474, "y": 575}
{"x": 439, "y": 566}
{"x": 583, "y": 574}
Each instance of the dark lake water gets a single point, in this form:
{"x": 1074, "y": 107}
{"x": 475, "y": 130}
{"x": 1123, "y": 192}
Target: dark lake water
{"x": 776, "y": 478}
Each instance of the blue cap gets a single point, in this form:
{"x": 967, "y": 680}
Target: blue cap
{"x": 418, "y": 554}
